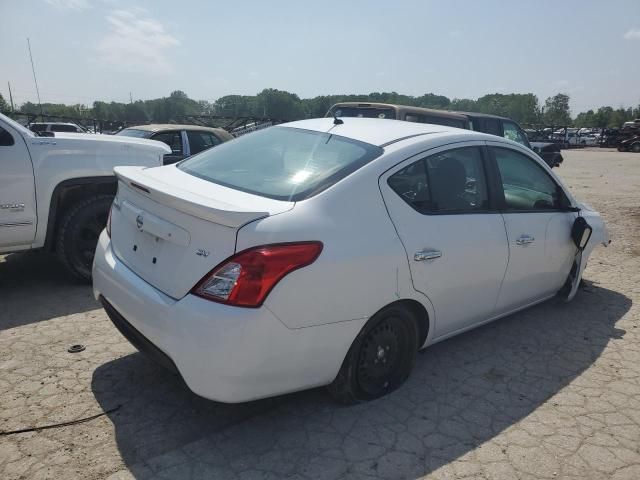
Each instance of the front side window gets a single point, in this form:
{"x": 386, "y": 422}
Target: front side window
{"x": 173, "y": 139}
{"x": 6, "y": 139}
{"x": 282, "y": 163}
{"x": 200, "y": 141}
{"x": 448, "y": 182}
{"x": 525, "y": 183}
{"x": 512, "y": 132}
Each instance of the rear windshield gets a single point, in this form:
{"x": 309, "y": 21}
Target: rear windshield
{"x": 281, "y": 163}
{"x": 363, "y": 112}
{"x": 132, "y": 132}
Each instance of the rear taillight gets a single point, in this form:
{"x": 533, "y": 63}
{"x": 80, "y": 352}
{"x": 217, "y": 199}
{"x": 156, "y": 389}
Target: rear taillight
{"x": 245, "y": 279}
{"x": 108, "y": 227}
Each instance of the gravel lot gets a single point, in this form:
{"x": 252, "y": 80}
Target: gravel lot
{"x": 552, "y": 392}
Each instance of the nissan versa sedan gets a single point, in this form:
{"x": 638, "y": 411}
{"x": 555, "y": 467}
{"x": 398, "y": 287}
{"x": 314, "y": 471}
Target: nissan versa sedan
{"x": 329, "y": 251}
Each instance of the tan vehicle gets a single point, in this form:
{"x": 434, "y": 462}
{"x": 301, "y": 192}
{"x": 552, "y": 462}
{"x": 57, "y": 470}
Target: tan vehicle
{"x": 480, "y": 122}
{"x": 399, "y": 112}
{"x": 184, "y": 140}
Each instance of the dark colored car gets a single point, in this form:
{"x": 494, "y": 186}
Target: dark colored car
{"x": 480, "y": 122}
{"x": 630, "y": 144}
{"x": 184, "y": 140}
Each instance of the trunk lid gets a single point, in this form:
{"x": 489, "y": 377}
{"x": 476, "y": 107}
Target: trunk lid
{"x": 172, "y": 228}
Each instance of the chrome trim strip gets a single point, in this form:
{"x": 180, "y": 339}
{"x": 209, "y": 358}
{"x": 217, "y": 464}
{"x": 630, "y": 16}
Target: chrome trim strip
{"x": 16, "y": 224}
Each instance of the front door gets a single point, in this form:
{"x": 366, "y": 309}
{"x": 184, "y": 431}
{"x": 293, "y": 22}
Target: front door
{"x": 17, "y": 190}
{"x": 538, "y": 226}
{"x": 456, "y": 244}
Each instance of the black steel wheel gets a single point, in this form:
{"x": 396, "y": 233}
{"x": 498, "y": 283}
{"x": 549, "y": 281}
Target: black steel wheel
{"x": 78, "y": 234}
{"x": 380, "y": 358}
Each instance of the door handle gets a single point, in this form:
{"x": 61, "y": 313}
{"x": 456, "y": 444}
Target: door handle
{"x": 427, "y": 255}
{"x": 524, "y": 240}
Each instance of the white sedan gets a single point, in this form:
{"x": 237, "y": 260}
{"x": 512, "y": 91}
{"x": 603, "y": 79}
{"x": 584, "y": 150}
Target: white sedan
{"x": 328, "y": 251}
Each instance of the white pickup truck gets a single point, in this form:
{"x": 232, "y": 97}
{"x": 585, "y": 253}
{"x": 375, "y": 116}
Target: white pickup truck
{"x": 56, "y": 190}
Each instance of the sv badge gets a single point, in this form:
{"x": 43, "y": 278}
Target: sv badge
{"x": 201, "y": 252}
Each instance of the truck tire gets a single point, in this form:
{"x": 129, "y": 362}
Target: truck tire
{"x": 635, "y": 147}
{"x": 78, "y": 233}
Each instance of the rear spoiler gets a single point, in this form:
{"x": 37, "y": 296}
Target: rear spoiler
{"x": 206, "y": 208}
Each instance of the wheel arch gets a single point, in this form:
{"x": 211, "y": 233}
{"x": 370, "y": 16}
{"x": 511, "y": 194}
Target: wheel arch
{"x": 70, "y": 191}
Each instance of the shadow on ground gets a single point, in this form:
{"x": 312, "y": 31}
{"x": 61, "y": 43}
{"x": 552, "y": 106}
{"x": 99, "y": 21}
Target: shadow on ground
{"x": 34, "y": 286}
{"x": 462, "y": 392}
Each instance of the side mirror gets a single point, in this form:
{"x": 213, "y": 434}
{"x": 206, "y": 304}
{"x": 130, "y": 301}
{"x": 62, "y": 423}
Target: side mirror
{"x": 581, "y": 233}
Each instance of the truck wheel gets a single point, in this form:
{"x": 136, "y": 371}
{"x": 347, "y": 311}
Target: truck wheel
{"x": 78, "y": 234}
{"x": 635, "y": 148}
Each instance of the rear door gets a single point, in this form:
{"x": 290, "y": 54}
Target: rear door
{"x": 455, "y": 243}
{"x": 538, "y": 228}
{"x": 17, "y": 190}
{"x": 200, "y": 141}
{"x": 175, "y": 140}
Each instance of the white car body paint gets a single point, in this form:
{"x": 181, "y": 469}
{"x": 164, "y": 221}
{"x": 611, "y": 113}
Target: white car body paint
{"x": 299, "y": 337}
{"x": 34, "y": 166}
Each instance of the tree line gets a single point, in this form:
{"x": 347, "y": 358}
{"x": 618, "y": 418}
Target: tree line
{"x": 279, "y": 104}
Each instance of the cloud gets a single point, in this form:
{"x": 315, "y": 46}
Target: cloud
{"x": 633, "y": 34}
{"x": 136, "y": 42}
{"x": 70, "y": 4}
{"x": 455, "y": 33}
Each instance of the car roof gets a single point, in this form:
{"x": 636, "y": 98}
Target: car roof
{"x": 159, "y": 127}
{"x": 377, "y": 131}
{"x": 408, "y": 108}
{"x": 54, "y": 123}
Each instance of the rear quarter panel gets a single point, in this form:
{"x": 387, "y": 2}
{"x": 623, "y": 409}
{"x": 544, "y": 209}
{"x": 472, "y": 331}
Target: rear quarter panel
{"x": 363, "y": 266}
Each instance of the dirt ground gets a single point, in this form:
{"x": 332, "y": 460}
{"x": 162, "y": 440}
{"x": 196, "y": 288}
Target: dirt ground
{"x": 551, "y": 392}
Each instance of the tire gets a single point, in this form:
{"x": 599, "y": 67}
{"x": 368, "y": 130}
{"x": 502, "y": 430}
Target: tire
{"x": 78, "y": 234}
{"x": 380, "y": 358}
{"x": 635, "y": 148}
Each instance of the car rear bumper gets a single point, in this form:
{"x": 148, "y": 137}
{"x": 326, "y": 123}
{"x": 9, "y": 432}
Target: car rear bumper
{"x": 224, "y": 353}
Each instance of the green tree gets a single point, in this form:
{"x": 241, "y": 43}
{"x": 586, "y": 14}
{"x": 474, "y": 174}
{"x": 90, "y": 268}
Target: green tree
{"x": 4, "y": 106}
{"x": 556, "y": 110}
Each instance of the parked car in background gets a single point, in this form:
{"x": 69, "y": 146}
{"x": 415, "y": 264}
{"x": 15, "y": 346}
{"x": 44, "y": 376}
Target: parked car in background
{"x": 41, "y": 127}
{"x": 56, "y": 190}
{"x": 327, "y": 252}
{"x": 630, "y": 144}
{"x": 480, "y": 122}
{"x": 183, "y": 140}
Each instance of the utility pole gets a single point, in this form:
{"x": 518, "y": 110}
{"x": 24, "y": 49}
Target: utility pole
{"x": 11, "y": 98}
{"x": 130, "y": 98}
{"x": 34, "y": 78}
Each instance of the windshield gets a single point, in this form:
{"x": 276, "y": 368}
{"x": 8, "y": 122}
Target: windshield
{"x": 132, "y": 132}
{"x": 282, "y": 163}
{"x": 363, "y": 112}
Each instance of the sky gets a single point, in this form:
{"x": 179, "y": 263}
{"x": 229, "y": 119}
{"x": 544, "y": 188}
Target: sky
{"x": 86, "y": 50}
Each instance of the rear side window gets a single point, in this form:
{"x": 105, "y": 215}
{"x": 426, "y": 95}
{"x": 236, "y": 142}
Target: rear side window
{"x": 132, "y": 132}
{"x": 282, "y": 163}
{"x": 435, "y": 120}
{"x": 487, "y": 125}
{"x": 364, "y": 112}
{"x": 526, "y": 185}
{"x": 200, "y": 141}
{"x": 173, "y": 139}
{"x": 38, "y": 128}
{"x": 64, "y": 128}
{"x": 448, "y": 182}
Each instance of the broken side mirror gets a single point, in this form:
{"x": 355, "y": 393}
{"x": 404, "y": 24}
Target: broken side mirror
{"x": 581, "y": 233}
